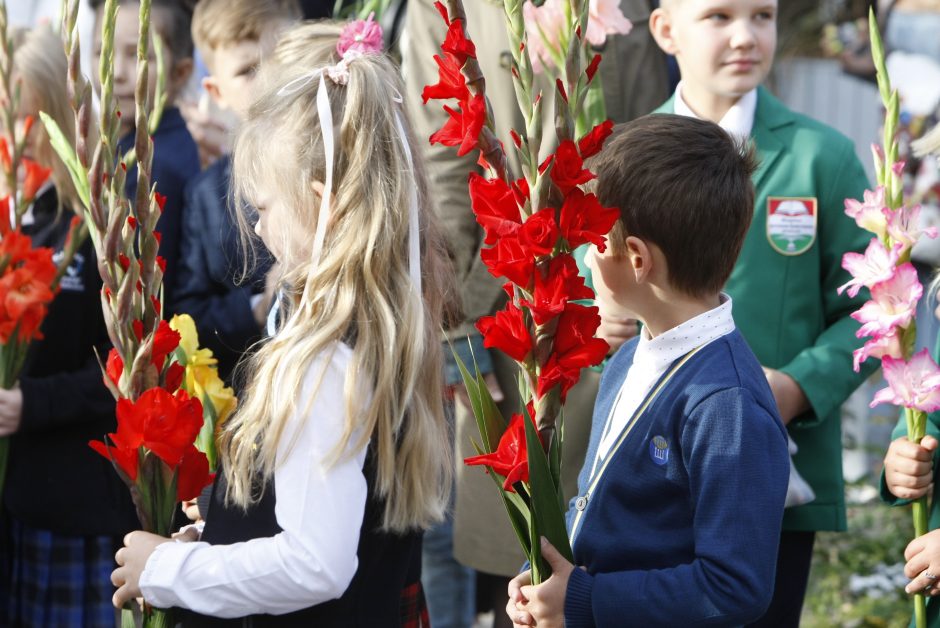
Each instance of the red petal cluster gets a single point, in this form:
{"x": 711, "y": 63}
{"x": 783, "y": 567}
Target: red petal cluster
{"x": 165, "y": 425}
{"x": 36, "y": 176}
{"x": 575, "y": 348}
{"x": 464, "y": 123}
{"x": 560, "y": 284}
{"x": 510, "y": 459}
{"x": 165, "y": 342}
{"x": 26, "y": 276}
{"x": 508, "y": 332}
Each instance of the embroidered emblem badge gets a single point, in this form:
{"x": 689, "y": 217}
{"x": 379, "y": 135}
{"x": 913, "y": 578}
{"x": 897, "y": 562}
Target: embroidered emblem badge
{"x": 659, "y": 450}
{"x": 791, "y": 224}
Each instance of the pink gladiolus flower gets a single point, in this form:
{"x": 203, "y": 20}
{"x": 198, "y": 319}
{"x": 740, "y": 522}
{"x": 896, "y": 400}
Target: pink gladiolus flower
{"x": 605, "y": 18}
{"x": 878, "y": 347}
{"x": 364, "y": 36}
{"x": 875, "y": 266}
{"x": 543, "y": 26}
{"x": 904, "y": 226}
{"x": 892, "y": 303}
{"x": 914, "y": 384}
{"x": 870, "y": 215}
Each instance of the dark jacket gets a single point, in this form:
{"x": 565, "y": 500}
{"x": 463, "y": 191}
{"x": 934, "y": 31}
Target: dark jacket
{"x": 679, "y": 524}
{"x": 55, "y": 481}
{"x": 209, "y": 286}
{"x": 175, "y": 163}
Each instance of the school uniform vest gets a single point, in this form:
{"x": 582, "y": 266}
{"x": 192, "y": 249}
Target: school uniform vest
{"x": 387, "y": 563}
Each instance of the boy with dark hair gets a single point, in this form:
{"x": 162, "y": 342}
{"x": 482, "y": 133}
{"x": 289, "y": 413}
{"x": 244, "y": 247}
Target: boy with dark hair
{"x": 229, "y": 311}
{"x": 785, "y": 283}
{"x": 175, "y": 156}
{"x": 682, "y": 492}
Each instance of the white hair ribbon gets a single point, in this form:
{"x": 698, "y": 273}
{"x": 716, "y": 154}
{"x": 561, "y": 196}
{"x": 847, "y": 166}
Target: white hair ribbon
{"x": 326, "y": 126}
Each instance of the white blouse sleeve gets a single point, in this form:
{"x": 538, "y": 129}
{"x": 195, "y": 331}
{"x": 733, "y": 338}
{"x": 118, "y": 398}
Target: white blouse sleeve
{"x": 320, "y": 510}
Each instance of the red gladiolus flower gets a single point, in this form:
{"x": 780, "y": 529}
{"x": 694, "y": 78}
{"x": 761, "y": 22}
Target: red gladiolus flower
{"x": 510, "y": 459}
{"x": 510, "y": 259}
{"x": 161, "y": 263}
{"x": 161, "y": 201}
{"x": 165, "y": 424}
{"x": 464, "y": 126}
{"x": 36, "y": 176}
{"x": 539, "y": 232}
{"x": 583, "y": 219}
{"x": 114, "y": 367}
{"x": 24, "y": 297}
{"x": 451, "y": 82}
{"x": 455, "y": 43}
{"x": 165, "y": 341}
{"x": 28, "y": 122}
{"x": 568, "y": 171}
{"x": 507, "y": 332}
{"x": 192, "y": 474}
{"x": 494, "y": 206}
{"x": 126, "y": 459}
{"x": 575, "y": 347}
{"x": 593, "y": 141}
{"x": 561, "y": 284}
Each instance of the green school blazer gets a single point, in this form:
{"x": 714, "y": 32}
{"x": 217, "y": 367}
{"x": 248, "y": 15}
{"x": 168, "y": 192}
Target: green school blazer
{"x": 784, "y": 287}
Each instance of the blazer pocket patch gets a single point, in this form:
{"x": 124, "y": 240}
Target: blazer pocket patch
{"x": 791, "y": 223}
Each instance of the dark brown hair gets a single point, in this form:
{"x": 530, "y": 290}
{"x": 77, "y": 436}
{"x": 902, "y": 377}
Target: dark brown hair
{"x": 684, "y": 185}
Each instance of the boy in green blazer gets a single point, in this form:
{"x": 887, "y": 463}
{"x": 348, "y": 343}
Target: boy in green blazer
{"x": 784, "y": 284}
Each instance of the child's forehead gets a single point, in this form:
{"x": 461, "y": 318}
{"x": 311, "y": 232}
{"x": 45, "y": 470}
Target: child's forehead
{"x": 127, "y": 23}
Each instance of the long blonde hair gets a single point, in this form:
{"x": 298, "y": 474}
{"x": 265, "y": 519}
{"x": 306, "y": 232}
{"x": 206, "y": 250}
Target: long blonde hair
{"x": 41, "y": 64}
{"x": 360, "y": 292}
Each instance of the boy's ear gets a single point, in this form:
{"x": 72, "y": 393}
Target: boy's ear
{"x": 640, "y": 258}
{"x": 661, "y": 29}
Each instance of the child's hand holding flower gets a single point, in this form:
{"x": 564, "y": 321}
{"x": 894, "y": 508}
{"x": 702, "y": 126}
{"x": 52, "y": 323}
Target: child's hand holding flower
{"x": 909, "y": 467}
{"x": 923, "y": 564}
{"x": 131, "y": 560}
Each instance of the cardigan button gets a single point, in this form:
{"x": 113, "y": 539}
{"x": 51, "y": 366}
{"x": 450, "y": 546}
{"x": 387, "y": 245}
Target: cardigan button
{"x": 581, "y": 503}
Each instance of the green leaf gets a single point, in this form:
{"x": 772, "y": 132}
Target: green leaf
{"x": 489, "y": 419}
{"x": 547, "y": 513}
{"x": 63, "y": 148}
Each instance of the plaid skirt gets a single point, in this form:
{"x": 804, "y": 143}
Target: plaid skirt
{"x": 414, "y": 608}
{"x": 56, "y": 580}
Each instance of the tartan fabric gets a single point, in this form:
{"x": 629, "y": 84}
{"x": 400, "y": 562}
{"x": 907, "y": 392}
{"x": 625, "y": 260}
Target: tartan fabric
{"x": 414, "y": 608}
{"x": 59, "y": 581}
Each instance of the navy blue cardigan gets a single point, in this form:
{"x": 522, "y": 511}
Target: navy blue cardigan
{"x": 210, "y": 286}
{"x": 682, "y": 527}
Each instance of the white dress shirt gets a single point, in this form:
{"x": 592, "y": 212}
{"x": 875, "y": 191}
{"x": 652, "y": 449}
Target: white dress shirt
{"x": 653, "y": 357}
{"x": 738, "y": 121}
{"x": 319, "y": 508}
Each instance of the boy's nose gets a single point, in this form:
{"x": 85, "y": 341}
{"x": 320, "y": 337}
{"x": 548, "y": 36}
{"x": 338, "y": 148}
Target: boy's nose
{"x": 743, "y": 35}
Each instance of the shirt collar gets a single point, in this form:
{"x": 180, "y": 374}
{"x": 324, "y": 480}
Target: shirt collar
{"x": 671, "y": 345}
{"x": 738, "y": 121}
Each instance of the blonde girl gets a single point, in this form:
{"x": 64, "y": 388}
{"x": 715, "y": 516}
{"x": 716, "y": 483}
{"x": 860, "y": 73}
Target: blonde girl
{"x": 65, "y": 513}
{"x": 338, "y": 456}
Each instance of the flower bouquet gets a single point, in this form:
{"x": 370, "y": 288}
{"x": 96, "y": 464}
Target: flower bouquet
{"x": 157, "y": 423}
{"x": 28, "y": 276}
{"x": 888, "y": 318}
{"x": 533, "y": 224}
